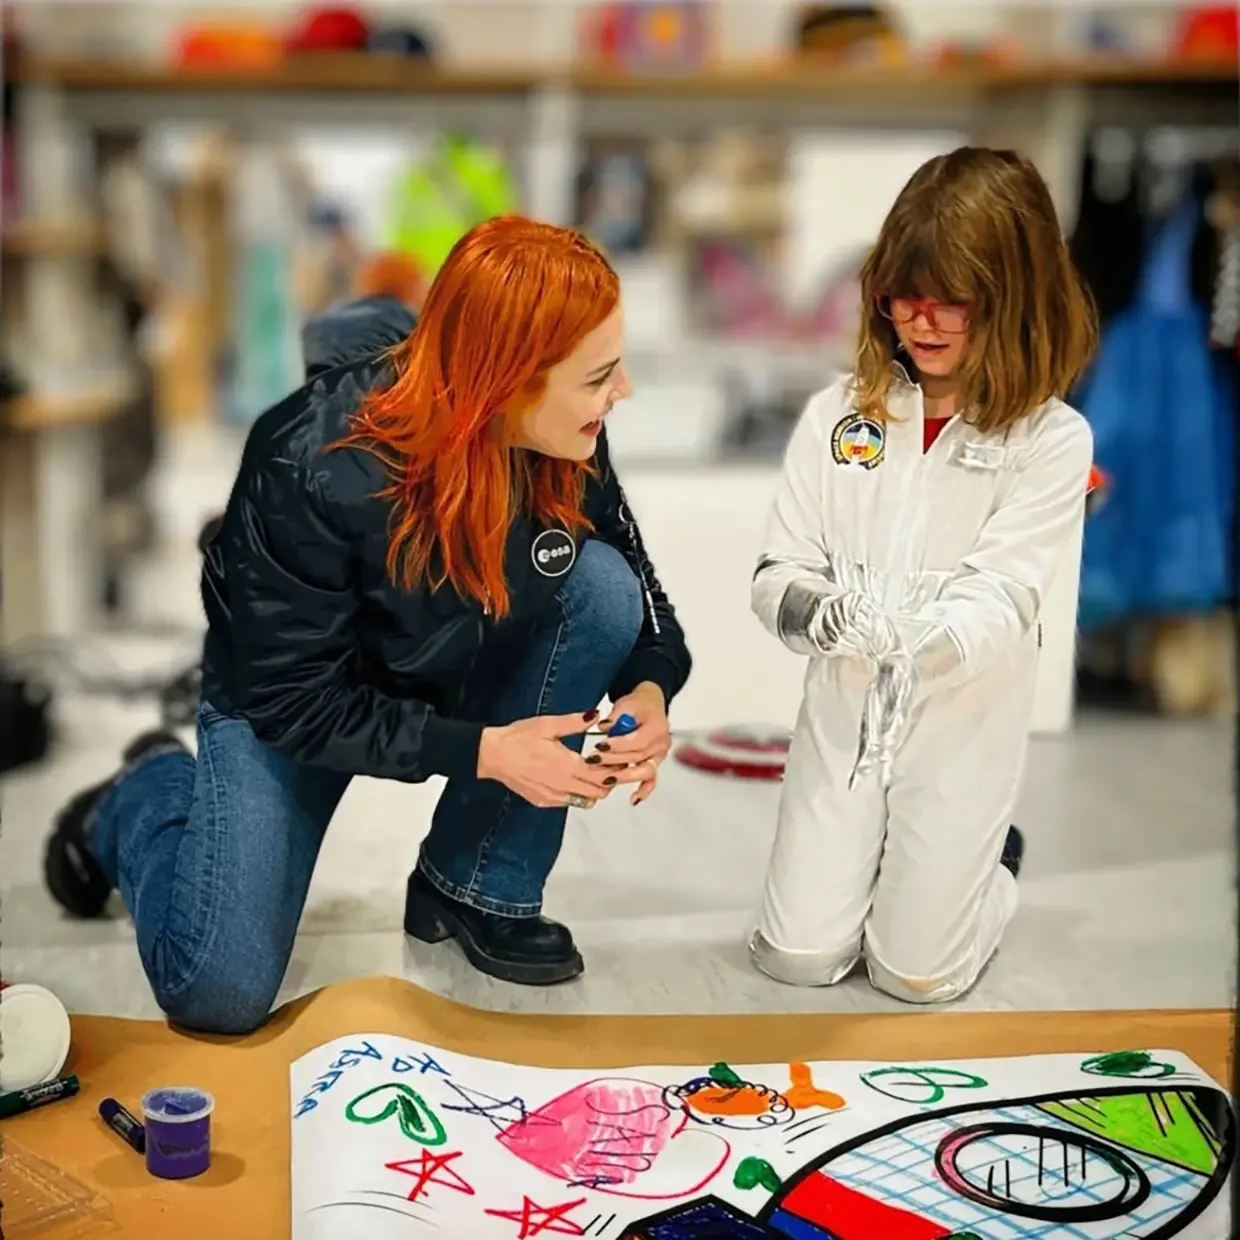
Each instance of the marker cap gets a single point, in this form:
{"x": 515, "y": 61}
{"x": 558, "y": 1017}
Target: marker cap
{"x": 35, "y": 1034}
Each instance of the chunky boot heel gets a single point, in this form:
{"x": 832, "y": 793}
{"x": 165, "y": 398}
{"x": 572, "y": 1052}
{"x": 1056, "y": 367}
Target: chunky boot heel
{"x": 422, "y": 920}
{"x": 529, "y": 951}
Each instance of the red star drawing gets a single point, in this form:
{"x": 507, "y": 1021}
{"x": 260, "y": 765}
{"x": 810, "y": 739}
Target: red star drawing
{"x": 553, "y": 1219}
{"x": 431, "y": 1168}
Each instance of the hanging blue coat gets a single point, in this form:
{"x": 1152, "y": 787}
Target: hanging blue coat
{"x": 1163, "y": 424}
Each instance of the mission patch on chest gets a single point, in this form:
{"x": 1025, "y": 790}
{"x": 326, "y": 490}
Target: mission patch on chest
{"x": 858, "y": 440}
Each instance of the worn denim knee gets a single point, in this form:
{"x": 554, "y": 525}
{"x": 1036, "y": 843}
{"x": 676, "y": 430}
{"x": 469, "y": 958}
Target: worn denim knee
{"x": 217, "y": 1002}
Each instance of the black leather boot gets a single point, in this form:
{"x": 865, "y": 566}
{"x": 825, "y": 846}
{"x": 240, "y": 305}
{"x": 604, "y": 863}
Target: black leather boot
{"x": 72, "y": 874}
{"x": 530, "y": 951}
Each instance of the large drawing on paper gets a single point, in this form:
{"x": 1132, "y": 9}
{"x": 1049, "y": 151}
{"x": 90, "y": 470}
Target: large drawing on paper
{"x": 392, "y": 1139}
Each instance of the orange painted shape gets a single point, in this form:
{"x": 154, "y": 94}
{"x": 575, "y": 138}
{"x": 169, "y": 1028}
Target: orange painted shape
{"x": 803, "y": 1093}
{"x": 730, "y": 1100}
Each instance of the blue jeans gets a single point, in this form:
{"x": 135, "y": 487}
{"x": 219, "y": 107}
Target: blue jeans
{"x": 213, "y": 855}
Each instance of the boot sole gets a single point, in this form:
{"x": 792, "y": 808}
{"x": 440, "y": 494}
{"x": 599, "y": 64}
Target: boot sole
{"x": 435, "y": 925}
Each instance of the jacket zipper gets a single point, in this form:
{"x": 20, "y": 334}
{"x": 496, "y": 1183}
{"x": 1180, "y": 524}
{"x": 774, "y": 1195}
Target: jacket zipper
{"x": 639, "y": 557}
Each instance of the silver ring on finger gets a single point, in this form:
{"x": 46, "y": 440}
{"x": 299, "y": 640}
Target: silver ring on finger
{"x": 575, "y": 801}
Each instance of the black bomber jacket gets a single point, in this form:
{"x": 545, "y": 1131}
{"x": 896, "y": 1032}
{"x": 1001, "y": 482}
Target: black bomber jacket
{"x": 308, "y": 638}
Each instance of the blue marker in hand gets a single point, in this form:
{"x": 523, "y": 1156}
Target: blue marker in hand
{"x": 623, "y": 726}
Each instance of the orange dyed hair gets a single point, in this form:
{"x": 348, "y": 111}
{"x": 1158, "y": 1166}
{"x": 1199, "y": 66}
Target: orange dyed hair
{"x": 513, "y": 299}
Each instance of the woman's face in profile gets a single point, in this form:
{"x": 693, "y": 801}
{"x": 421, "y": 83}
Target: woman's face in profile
{"x": 580, "y": 393}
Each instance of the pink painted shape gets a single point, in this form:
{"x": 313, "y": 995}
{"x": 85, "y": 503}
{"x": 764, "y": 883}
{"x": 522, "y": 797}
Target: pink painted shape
{"x": 605, "y": 1134}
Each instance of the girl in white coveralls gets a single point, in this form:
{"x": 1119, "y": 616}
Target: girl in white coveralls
{"x": 925, "y": 504}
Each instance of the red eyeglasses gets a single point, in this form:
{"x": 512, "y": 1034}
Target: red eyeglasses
{"x": 942, "y": 317}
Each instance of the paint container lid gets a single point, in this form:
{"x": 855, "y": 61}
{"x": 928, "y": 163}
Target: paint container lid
{"x": 35, "y": 1035}
{"x": 177, "y": 1104}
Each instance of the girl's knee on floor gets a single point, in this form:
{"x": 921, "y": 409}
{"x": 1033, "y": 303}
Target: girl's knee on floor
{"x": 910, "y": 985}
{"x": 802, "y": 967}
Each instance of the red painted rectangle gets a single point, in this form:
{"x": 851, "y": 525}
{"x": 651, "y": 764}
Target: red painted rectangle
{"x": 850, "y": 1215}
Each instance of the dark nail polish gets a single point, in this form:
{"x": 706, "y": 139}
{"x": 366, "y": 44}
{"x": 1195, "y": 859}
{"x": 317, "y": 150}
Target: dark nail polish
{"x": 607, "y": 783}
{"x": 603, "y": 748}
{"x": 590, "y": 716}
{"x": 593, "y": 760}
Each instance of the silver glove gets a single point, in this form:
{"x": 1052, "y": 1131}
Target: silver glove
{"x": 852, "y": 624}
{"x": 884, "y": 717}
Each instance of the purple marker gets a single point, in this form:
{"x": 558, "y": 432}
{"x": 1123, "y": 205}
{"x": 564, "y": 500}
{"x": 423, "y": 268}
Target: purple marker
{"x": 123, "y": 1124}
{"x": 178, "y": 1131}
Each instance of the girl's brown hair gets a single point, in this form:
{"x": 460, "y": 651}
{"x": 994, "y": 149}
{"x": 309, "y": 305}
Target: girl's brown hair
{"x": 513, "y": 299}
{"x": 977, "y": 227}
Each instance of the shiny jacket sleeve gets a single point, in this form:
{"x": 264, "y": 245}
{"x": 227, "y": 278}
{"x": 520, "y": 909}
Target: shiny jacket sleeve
{"x": 660, "y": 654}
{"x": 290, "y": 590}
{"x": 795, "y": 576}
{"x": 994, "y": 597}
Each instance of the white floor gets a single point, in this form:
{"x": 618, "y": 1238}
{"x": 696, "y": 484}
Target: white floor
{"x": 1127, "y": 894}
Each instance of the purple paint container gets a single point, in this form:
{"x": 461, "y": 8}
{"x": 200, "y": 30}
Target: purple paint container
{"x": 178, "y": 1131}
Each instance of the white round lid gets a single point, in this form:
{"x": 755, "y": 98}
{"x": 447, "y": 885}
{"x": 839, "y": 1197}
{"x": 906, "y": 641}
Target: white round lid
{"x": 34, "y": 1036}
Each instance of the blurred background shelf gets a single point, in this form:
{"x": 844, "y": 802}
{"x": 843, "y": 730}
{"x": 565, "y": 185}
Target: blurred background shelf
{"x": 363, "y": 72}
{"x": 45, "y": 238}
{"x": 34, "y": 413}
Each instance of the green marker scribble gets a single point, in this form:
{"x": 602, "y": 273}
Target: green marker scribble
{"x": 1139, "y": 1064}
{"x": 920, "y": 1086}
{"x": 417, "y": 1121}
{"x": 721, "y": 1074}
{"x": 756, "y": 1173}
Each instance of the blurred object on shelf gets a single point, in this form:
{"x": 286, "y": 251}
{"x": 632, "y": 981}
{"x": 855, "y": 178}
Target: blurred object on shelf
{"x": 331, "y": 258}
{"x": 615, "y": 195}
{"x": 393, "y": 276}
{"x": 440, "y": 197}
{"x": 835, "y": 312}
{"x": 409, "y": 41}
{"x": 1210, "y": 33}
{"x": 232, "y": 45}
{"x": 731, "y": 183}
{"x": 648, "y": 36}
{"x": 732, "y": 288}
{"x": 329, "y": 29}
{"x": 987, "y": 53}
{"x": 850, "y": 34}
{"x": 266, "y": 347}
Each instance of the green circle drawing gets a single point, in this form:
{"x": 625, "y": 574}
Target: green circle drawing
{"x": 1134, "y": 1065}
{"x": 417, "y": 1121}
{"x": 933, "y": 1082}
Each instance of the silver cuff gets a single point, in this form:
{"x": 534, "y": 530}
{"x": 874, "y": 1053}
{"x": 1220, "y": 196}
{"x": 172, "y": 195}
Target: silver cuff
{"x": 798, "y": 614}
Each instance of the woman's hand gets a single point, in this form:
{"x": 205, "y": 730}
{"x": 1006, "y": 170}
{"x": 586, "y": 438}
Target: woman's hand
{"x": 529, "y": 758}
{"x": 634, "y": 758}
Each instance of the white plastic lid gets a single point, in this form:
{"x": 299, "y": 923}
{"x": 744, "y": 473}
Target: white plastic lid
{"x": 177, "y": 1104}
{"x": 34, "y": 1036}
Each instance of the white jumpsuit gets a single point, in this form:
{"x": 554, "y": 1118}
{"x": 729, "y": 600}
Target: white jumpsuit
{"x": 957, "y": 544}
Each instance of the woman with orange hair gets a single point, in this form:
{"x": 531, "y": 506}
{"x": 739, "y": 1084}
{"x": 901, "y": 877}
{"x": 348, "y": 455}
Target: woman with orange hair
{"x": 426, "y": 567}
